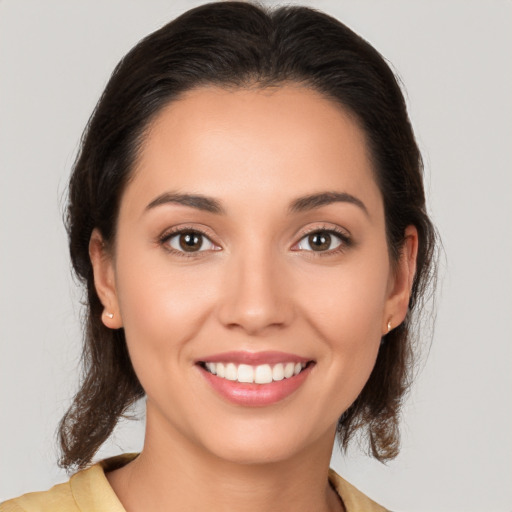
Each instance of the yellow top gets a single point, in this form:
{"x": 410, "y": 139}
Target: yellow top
{"x": 89, "y": 491}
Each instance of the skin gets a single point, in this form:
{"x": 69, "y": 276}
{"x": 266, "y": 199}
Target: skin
{"x": 257, "y": 286}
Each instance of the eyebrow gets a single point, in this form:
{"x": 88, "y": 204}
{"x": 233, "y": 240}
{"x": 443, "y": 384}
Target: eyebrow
{"x": 197, "y": 201}
{"x": 313, "y": 201}
{"x": 301, "y": 204}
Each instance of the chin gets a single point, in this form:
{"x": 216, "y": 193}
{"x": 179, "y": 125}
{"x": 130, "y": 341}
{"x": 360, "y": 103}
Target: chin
{"x": 264, "y": 444}
{"x": 250, "y": 453}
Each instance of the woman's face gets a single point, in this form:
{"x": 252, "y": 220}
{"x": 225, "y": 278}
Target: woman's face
{"x": 251, "y": 243}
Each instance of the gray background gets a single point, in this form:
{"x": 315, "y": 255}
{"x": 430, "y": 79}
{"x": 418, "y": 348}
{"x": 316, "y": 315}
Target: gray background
{"x": 454, "y": 58}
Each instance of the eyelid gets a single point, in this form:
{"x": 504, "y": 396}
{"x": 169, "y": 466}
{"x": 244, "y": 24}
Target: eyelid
{"x": 164, "y": 238}
{"x": 343, "y": 235}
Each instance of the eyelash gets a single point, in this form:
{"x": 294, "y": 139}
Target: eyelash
{"x": 164, "y": 239}
{"x": 346, "y": 241}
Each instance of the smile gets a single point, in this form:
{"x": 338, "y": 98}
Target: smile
{"x": 260, "y": 374}
{"x": 255, "y": 379}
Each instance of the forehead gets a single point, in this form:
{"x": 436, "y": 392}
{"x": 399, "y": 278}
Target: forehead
{"x": 254, "y": 143}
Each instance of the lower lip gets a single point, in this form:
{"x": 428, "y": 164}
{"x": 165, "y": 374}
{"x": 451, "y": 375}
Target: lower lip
{"x": 255, "y": 395}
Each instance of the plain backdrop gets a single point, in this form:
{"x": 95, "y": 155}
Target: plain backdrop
{"x": 454, "y": 58}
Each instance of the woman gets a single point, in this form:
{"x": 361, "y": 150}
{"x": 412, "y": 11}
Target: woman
{"x": 247, "y": 215}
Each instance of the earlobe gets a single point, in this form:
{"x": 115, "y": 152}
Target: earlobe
{"x": 104, "y": 280}
{"x": 402, "y": 281}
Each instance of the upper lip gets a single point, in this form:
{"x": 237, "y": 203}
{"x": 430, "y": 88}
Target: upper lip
{"x": 253, "y": 358}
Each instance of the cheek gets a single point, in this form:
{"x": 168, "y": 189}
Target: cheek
{"x": 347, "y": 304}
{"x": 163, "y": 306}
{"x": 345, "y": 308}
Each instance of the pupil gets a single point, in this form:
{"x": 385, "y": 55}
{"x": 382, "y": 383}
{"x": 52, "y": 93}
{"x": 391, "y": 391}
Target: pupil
{"x": 320, "y": 242}
{"x": 190, "y": 242}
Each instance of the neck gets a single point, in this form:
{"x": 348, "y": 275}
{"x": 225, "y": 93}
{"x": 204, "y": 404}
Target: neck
{"x": 182, "y": 476}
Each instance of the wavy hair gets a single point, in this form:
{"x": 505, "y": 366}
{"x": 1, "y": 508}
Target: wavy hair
{"x": 237, "y": 45}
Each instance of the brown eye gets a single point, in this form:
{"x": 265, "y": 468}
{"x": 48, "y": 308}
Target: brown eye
{"x": 190, "y": 241}
{"x": 320, "y": 241}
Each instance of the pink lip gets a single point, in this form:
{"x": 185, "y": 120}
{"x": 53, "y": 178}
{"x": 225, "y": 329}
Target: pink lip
{"x": 254, "y": 358}
{"x": 254, "y": 395}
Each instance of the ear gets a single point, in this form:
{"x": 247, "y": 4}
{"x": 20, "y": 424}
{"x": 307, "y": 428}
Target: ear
{"x": 400, "y": 282}
{"x": 104, "y": 280}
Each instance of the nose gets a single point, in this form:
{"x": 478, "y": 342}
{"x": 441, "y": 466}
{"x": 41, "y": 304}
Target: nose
{"x": 257, "y": 295}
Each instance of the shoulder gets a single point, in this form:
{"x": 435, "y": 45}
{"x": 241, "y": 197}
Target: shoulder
{"x": 353, "y": 499}
{"x": 58, "y": 498}
{"x": 86, "y": 491}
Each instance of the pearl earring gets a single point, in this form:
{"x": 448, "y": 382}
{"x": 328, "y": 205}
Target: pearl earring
{"x": 389, "y": 326}
{"x": 110, "y": 315}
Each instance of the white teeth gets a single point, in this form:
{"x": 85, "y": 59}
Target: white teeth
{"x": 278, "y": 372}
{"x": 221, "y": 372}
{"x": 261, "y": 374}
{"x": 231, "y": 372}
{"x": 245, "y": 373}
{"x": 288, "y": 370}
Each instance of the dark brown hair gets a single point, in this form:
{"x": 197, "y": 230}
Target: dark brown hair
{"x": 236, "y": 45}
